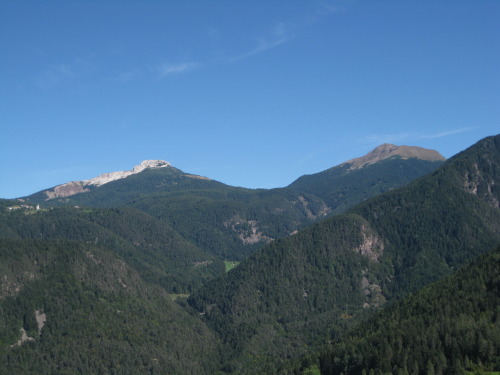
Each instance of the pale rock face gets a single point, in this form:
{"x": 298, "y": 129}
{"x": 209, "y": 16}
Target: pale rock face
{"x": 108, "y": 177}
{"x": 247, "y": 230}
{"x": 75, "y": 187}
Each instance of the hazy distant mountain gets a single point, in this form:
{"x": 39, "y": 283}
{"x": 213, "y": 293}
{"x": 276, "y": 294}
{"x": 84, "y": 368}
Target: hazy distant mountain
{"x": 305, "y": 290}
{"x": 386, "y": 167}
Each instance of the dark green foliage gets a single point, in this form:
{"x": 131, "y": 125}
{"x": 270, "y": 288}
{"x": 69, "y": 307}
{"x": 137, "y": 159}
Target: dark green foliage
{"x": 101, "y": 276}
{"x": 122, "y": 191}
{"x": 5, "y": 203}
{"x": 232, "y": 222}
{"x": 294, "y": 293}
{"x": 436, "y": 224}
{"x": 449, "y": 327}
{"x": 342, "y": 188}
{"x": 157, "y": 252}
{"x": 226, "y": 221}
{"x": 385, "y": 248}
{"x": 100, "y": 316}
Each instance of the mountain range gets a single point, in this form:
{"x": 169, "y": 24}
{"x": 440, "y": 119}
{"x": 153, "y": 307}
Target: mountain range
{"x": 124, "y": 273}
{"x": 310, "y": 288}
{"x": 232, "y": 222}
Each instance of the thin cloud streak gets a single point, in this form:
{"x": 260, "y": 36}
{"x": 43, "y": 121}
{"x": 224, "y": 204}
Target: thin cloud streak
{"x": 263, "y": 46}
{"x": 450, "y": 132}
{"x": 55, "y": 75}
{"x": 326, "y": 9}
{"x": 128, "y": 76}
{"x": 398, "y": 137}
{"x": 165, "y": 70}
{"x": 277, "y": 36}
{"x": 275, "y": 39}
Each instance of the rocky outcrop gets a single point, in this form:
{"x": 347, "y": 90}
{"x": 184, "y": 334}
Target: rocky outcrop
{"x": 247, "y": 230}
{"x": 323, "y": 210}
{"x": 76, "y": 187}
{"x": 66, "y": 190}
{"x": 372, "y": 292}
{"x": 483, "y": 185}
{"x": 387, "y": 151}
{"x": 372, "y": 246}
{"x": 108, "y": 177}
{"x": 41, "y": 318}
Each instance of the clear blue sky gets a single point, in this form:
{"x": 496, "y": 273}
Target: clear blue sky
{"x": 250, "y": 93}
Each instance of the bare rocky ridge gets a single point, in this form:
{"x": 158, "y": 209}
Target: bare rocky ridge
{"x": 76, "y": 187}
{"x": 387, "y": 150}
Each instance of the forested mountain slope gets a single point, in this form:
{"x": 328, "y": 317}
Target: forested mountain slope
{"x": 84, "y": 289}
{"x": 437, "y": 223}
{"x": 305, "y": 290}
{"x": 69, "y": 307}
{"x": 157, "y": 252}
{"x": 227, "y": 221}
{"x": 344, "y": 186}
{"x": 232, "y": 222}
{"x": 449, "y": 327}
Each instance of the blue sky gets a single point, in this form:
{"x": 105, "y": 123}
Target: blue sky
{"x": 250, "y": 93}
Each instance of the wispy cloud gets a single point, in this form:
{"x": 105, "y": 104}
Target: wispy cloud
{"x": 278, "y": 34}
{"x": 165, "y": 70}
{"x": 63, "y": 73}
{"x": 264, "y": 45}
{"x": 128, "y": 76}
{"x": 326, "y": 9}
{"x": 276, "y": 37}
{"x": 321, "y": 11}
{"x": 399, "y": 137}
{"x": 55, "y": 75}
{"x": 449, "y": 132}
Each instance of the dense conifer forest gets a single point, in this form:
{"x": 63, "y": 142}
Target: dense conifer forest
{"x": 449, "y": 327}
{"x": 334, "y": 274}
{"x": 232, "y": 222}
{"x": 98, "y": 315}
{"x": 130, "y": 278}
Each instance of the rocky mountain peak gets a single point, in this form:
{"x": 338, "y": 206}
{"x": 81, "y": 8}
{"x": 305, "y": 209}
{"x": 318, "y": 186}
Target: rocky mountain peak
{"x": 151, "y": 164}
{"x": 108, "y": 177}
{"x": 387, "y": 150}
{"x": 75, "y": 187}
